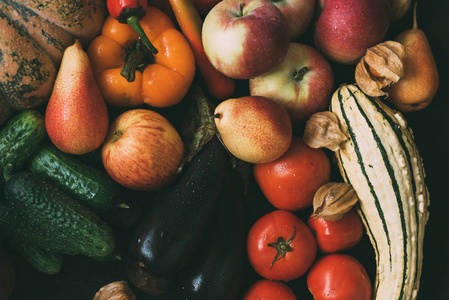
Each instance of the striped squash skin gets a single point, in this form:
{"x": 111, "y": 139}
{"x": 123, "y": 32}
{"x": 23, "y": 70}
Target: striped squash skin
{"x": 381, "y": 161}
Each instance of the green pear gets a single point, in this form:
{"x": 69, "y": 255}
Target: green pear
{"x": 76, "y": 117}
{"x": 254, "y": 129}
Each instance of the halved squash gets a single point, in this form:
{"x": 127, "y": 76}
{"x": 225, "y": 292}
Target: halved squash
{"x": 33, "y": 37}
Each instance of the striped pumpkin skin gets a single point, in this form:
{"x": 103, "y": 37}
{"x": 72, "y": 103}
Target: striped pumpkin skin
{"x": 381, "y": 161}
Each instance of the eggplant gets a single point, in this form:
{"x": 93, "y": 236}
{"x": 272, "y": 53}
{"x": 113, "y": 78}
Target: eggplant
{"x": 216, "y": 269}
{"x": 169, "y": 232}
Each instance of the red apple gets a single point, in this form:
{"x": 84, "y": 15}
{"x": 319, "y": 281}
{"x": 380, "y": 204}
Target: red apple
{"x": 142, "y": 150}
{"x": 345, "y": 29}
{"x": 302, "y": 83}
{"x": 299, "y": 15}
{"x": 245, "y": 38}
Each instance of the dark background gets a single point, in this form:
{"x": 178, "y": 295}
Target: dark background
{"x": 81, "y": 277}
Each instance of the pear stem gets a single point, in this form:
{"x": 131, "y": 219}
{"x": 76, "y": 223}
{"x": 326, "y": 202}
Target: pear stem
{"x": 415, "y": 21}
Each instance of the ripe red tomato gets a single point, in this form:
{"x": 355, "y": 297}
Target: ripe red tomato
{"x": 339, "y": 276}
{"x": 333, "y": 236}
{"x": 265, "y": 289}
{"x": 281, "y": 246}
{"x": 290, "y": 182}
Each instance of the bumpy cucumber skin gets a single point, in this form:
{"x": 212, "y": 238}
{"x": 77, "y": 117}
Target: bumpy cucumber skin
{"x": 45, "y": 262}
{"x": 37, "y": 212}
{"x": 19, "y": 139}
{"x": 90, "y": 186}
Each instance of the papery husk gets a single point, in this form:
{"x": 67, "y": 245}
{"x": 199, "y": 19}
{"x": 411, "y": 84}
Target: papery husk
{"x": 118, "y": 290}
{"x": 322, "y": 131}
{"x": 333, "y": 200}
{"x": 380, "y": 67}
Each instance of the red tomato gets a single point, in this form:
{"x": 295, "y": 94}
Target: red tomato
{"x": 333, "y": 236}
{"x": 269, "y": 290}
{"x": 281, "y": 246}
{"x": 290, "y": 182}
{"x": 339, "y": 277}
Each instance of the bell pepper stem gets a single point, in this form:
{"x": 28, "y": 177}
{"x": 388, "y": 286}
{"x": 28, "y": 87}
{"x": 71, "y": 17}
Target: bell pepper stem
{"x": 133, "y": 21}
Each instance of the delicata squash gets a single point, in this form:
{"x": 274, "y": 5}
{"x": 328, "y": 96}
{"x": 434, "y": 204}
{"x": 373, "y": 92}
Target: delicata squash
{"x": 33, "y": 37}
{"x": 381, "y": 161}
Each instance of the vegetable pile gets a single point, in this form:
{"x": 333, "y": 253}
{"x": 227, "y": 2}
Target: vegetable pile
{"x": 190, "y": 149}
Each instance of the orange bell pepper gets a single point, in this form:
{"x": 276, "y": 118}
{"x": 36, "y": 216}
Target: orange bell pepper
{"x": 128, "y": 74}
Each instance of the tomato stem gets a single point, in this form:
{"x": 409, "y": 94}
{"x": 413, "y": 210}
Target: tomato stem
{"x": 282, "y": 247}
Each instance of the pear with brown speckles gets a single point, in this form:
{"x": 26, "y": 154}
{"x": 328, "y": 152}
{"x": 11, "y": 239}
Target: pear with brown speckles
{"x": 417, "y": 89}
{"x": 254, "y": 129}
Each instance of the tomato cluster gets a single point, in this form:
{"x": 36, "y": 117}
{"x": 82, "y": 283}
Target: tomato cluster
{"x": 288, "y": 242}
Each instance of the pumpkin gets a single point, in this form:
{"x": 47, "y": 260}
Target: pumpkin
{"x": 33, "y": 37}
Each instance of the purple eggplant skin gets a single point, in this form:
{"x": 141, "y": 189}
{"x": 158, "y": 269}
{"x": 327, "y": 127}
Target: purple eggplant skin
{"x": 217, "y": 267}
{"x": 170, "y": 231}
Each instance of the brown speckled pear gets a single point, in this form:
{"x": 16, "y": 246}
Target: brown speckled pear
{"x": 254, "y": 129}
{"x": 76, "y": 117}
{"x": 416, "y": 90}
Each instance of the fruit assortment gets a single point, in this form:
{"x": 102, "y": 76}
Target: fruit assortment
{"x": 203, "y": 150}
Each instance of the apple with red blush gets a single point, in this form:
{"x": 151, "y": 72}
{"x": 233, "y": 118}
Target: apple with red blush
{"x": 303, "y": 83}
{"x": 299, "y": 15}
{"x": 345, "y": 29}
{"x": 245, "y": 38}
{"x": 142, "y": 150}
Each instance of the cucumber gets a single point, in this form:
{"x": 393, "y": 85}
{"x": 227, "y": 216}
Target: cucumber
{"x": 39, "y": 213}
{"x": 19, "y": 139}
{"x": 43, "y": 261}
{"x": 90, "y": 186}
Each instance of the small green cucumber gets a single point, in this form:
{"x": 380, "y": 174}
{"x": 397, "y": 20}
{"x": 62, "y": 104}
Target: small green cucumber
{"x": 37, "y": 212}
{"x": 45, "y": 262}
{"x": 85, "y": 183}
{"x": 19, "y": 139}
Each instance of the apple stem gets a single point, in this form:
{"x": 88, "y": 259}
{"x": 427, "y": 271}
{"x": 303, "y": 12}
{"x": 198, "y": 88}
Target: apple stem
{"x": 241, "y": 8}
{"x": 299, "y": 74}
{"x": 117, "y": 135}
